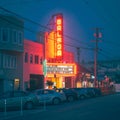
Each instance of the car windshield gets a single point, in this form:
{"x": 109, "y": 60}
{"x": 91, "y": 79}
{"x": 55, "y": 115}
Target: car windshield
{"x": 48, "y": 91}
{"x": 6, "y": 95}
{"x": 20, "y": 94}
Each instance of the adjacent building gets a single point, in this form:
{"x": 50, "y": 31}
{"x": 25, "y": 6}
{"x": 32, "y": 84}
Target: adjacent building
{"x": 11, "y": 53}
{"x": 33, "y": 65}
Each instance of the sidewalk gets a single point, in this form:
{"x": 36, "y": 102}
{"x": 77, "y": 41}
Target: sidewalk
{"x": 14, "y": 114}
{"x": 10, "y": 114}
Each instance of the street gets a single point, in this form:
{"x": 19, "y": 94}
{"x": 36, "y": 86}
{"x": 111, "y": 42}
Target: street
{"x": 101, "y": 108}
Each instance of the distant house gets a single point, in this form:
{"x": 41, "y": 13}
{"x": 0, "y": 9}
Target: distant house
{"x": 110, "y": 68}
{"x": 84, "y": 76}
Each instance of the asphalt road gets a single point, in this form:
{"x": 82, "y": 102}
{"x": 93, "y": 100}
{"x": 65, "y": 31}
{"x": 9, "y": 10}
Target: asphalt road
{"x": 101, "y": 108}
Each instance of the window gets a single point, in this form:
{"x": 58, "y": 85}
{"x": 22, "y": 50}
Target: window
{"x": 15, "y": 62}
{"x": 0, "y": 34}
{"x": 7, "y": 95}
{"x": 26, "y": 57}
{"x": 48, "y": 92}
{"x": 4, "y": 34}
{"x": 20, "y": 38}
{"x": 17, "y": 37}
{"x": 31, "y": 58}
{"x": 19, "y": 94}
{"x": 9, "y": 61}
{"x": 39, "y": 92}
{"x": 14, "y": 36}
{"x": 36, "y": 59}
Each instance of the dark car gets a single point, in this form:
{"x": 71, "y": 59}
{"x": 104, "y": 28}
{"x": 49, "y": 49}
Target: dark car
{"x": 17, "y": 99}
{"x": 69, "y": 93}
{"x": 95, "y": 92}
{"x": 83, "y": 93}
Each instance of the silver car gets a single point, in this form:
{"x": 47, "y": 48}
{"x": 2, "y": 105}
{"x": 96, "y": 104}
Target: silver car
{"x": 17, "y": 99}
{"x": 49, "y": 96}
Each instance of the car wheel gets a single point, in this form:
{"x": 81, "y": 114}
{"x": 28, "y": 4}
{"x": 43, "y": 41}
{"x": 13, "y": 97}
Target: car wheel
{"x": 70, "y": 98}
{"x": 29, "y": 105}
{"x": 82, "y": 97}
{"x": 56, "y": 101}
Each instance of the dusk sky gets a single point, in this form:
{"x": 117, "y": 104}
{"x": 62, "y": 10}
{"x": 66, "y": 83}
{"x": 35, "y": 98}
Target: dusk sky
{"x": 81, "y": 17}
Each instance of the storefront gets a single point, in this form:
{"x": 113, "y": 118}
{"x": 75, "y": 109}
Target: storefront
{"x": 61, "y": 74}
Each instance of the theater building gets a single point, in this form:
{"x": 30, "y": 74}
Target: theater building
{"x": 59, "y": 65}
{"x": 49, "y": 61}
{"x": 37, "y": 70}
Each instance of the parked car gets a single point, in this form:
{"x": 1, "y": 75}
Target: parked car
{"x": 70, "y": 94}
{"x": 95, "y": 92}
{"x": 17, "y": 99}
{"x": 49, "y": 96}
{"x": 83, "y": 93}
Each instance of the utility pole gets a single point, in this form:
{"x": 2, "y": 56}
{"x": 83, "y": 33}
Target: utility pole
{"x": 97, "y": 36}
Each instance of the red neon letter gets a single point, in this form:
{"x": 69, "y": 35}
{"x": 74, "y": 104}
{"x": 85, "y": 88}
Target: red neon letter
{"x": 59, "y": 21}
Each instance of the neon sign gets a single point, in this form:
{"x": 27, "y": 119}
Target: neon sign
{"x": 59, "y": 37}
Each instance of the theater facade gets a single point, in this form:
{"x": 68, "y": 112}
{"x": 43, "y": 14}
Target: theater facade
{"x": 48, "y": 60}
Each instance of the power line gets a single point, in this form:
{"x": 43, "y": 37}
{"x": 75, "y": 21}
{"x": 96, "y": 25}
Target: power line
{"x": 76, "y": 40}
{"x": 87, "y": 48}
{"x": 32, "y": 31}
{"x": 45, "y": 27}
{"x": 11, "y": 22}
{"x": 116, "y": 44}
{"x": 8, "y": 11}
{"x": 107, "y": 55}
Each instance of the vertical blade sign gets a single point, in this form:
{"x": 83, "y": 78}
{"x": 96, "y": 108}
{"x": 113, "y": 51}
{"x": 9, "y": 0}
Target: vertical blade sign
{"x": 59, "y": 37}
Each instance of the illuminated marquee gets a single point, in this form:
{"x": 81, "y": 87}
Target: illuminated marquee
{"x": 59, "y": 36}
{"x": 61, "y": 69}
